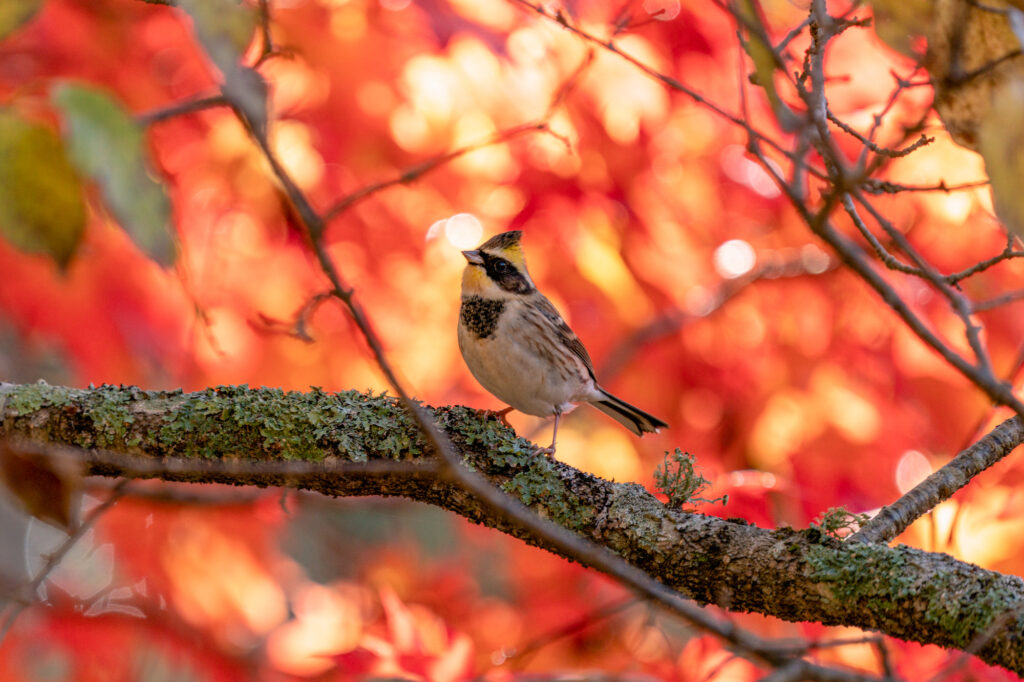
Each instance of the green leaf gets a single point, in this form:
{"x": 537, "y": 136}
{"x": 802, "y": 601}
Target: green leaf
{"x": 41, "y": 206}
{"x": 15, "y": 13}
{"x": 1000, "y": 140}
{"x": 224, "y": 27}
{"x": 106, "y": 144}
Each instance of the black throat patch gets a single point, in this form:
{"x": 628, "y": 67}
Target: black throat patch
{"x": 481, "y": 315}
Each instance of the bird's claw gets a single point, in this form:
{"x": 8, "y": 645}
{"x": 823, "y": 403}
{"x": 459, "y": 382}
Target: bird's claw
{"x": 500, "y": 415}
{"x": 549, "y": 451}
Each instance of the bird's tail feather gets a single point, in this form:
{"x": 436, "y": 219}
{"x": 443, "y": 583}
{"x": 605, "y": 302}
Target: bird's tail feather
{"x": 634, "y": 419}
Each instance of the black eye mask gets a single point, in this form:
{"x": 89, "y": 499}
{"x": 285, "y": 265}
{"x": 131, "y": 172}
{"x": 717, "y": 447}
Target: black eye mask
{"x": 505, "y": 275}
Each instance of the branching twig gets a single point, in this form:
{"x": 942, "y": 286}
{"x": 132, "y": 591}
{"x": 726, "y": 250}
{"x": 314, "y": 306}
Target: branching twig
{"x": 957, "y": 301}
{"x": 298, "y": 327}
{"x": 882, "y": 151}
{"x": 670, "y": 81}
{"x": 671, "y": 321}
{"x": 1007, "y": 253}
{"x": 823, "y": 28}
{"x": 418, "y": 171}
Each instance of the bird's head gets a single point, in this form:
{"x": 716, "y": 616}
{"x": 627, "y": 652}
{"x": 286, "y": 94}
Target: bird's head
{"x": 497, "y": 268}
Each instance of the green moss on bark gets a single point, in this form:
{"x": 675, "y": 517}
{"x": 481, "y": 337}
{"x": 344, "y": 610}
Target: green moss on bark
{"x": 884, "y": 580}
{"x": 34, "y": 397}
{"x": 290, "y": 425}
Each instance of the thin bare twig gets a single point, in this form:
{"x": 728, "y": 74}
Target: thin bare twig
{"x": 804, "y": 671}
{"x": 267, "y": 49}
{"x": 181, "y": 108}
{"x": 298, "y": 327}
{"x": 882, "y": 151}
{"x": 671, "y": 321}
{"x": 894, "y": 518}
{"x": 670, "y": 81}
{"x": 883, "y": 254}
{"x": 997, "y": 301}
{"x": 519, "y": 656}
{"x": 416, "y": 172}
{"x": 957, "y": 301}
{"x": 878, "y": 186}
{"x": 1007, "y": 253}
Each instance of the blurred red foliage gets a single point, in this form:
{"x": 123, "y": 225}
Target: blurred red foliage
{"x": 799, "y": 394}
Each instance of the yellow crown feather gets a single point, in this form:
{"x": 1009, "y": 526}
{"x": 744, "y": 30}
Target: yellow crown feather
{"x": 506, "y": 245}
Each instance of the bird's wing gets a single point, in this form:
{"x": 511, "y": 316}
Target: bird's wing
{"x": 566, "y": 335}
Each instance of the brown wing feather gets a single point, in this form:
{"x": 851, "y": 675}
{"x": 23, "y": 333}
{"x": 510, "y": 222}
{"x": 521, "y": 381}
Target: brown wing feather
{"x": 566, "y": 335}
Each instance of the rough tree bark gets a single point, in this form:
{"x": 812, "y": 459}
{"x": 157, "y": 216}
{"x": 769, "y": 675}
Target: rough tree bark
{"x": 229, "y": 434}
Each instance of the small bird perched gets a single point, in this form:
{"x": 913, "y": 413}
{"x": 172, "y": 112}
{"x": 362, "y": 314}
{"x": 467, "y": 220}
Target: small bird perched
{"x": 520, "y": 349}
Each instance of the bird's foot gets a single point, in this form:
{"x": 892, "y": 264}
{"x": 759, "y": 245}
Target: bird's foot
{"x": 499, "y": 415}
{"x": 550, "y": 450}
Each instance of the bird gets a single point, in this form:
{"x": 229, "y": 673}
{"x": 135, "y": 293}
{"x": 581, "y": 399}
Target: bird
{"x": 519, "y": 348}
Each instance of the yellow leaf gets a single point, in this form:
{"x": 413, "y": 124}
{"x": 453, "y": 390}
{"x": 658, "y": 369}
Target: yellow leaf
{"x": 41, "y": 206}
{"x": 13, "y": 15}
{"x": 899, "y": 22}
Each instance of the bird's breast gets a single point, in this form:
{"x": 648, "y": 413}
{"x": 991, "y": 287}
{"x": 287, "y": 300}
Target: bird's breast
{"x": 519, "y": 361}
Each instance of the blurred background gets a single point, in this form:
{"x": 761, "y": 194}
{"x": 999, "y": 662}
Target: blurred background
{"x": 699, "y": 292}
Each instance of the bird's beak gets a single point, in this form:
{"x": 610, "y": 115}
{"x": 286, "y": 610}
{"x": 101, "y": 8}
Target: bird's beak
{"x": 473, "y": 257}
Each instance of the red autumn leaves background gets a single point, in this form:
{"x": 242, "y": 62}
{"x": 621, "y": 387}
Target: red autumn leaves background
{"x": 640, "y": 208}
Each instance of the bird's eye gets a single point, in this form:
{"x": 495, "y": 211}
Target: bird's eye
{"x": 502, "y": 267}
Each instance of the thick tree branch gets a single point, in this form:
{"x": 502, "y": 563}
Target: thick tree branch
{"x": 797, "y": 576}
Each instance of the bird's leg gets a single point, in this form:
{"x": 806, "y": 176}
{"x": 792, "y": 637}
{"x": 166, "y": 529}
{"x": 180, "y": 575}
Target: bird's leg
{"x": 500, "y": 415}
{"x": 554, "y": 436}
